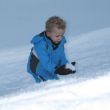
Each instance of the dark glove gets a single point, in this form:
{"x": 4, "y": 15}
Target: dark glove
{"x": 66, "y": 69}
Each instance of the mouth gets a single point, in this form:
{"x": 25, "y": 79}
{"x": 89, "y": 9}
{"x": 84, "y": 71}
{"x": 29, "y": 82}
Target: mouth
{"x": 57, "y": 42}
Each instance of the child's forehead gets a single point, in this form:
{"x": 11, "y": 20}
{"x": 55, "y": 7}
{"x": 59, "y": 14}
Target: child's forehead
{"x": 58, "y": 31}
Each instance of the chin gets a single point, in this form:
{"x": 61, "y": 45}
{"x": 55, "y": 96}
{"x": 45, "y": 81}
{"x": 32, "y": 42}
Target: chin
{"x": 57, "y": 42}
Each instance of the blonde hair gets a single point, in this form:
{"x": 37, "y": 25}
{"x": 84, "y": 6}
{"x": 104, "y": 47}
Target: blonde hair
{"x": 55, "y": 21}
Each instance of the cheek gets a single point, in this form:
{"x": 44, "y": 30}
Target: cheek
{"x": 55, "y": 39}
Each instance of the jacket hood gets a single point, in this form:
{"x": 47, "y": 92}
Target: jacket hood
{"x": 39, "y": 37}
{"x": 36, "y": 39}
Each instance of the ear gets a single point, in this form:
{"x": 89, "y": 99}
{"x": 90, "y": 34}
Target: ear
{"x": 48, "y": 33}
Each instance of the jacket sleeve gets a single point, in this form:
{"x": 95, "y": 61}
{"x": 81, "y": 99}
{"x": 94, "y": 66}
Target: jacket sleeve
{"x": 63, "y": 59}
{"x": 44, "y": 58}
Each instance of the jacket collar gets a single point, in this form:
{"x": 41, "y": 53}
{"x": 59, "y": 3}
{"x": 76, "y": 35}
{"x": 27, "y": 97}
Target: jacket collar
{"x": 49, "y": 41}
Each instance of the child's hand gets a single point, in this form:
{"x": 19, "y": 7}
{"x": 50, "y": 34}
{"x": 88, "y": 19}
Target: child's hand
{"x": 66, "y": 69}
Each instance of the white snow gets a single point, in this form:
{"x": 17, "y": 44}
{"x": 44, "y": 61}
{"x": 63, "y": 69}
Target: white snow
{"x": 88, "y": 89}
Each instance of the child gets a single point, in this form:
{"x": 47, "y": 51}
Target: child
{"x": 47, "y": 57}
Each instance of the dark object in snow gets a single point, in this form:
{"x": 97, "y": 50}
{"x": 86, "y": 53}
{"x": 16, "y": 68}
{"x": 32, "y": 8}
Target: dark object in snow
{"x": 62, "y": 70}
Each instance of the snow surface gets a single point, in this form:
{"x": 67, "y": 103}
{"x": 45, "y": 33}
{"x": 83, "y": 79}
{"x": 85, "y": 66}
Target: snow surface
{"x": 88, "y": 89}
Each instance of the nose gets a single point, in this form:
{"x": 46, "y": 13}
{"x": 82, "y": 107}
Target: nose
{"x": 60, "y": 38}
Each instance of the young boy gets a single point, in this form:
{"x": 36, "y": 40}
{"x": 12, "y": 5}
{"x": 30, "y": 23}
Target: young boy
{"x": 47, "y": 57}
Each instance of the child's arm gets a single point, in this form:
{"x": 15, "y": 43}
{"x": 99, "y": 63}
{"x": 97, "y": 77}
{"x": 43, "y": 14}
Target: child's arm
{"x": 65, "y": 67}
{"x": 63, "y": 59}
{"x": 46, "y": 62}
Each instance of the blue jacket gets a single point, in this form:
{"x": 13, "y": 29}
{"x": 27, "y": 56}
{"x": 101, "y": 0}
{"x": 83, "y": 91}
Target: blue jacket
{"x": 48, "y": 57}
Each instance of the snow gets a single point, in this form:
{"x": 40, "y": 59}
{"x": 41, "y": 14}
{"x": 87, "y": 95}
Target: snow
{"x": 88, "y": 89}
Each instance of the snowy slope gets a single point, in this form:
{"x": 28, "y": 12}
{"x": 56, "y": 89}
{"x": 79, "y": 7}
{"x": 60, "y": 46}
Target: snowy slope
{"x": 88, "y": 89}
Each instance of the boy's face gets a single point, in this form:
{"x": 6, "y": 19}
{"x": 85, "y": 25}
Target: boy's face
{"x": 56, "y": 35}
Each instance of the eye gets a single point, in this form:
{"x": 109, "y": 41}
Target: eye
{"x": 59, "y": 36}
